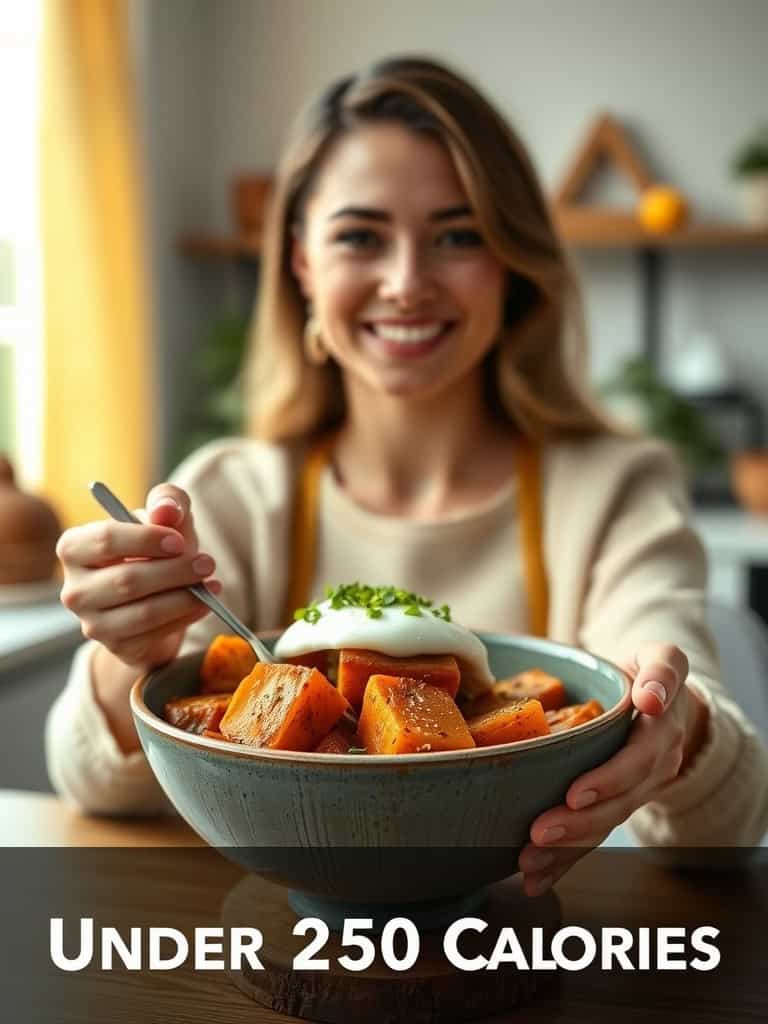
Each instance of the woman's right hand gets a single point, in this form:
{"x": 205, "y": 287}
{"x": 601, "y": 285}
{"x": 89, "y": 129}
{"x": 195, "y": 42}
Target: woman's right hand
{"x": 125, "y": 581}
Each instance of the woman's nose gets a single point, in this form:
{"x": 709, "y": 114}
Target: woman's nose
{"x": 406, "y": 278}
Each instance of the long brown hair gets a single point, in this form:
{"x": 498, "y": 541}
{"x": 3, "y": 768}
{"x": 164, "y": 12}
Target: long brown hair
{"x": 535, "y": 374}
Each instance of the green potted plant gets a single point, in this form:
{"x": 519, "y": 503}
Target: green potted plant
{"x": 750, "y": 165}
{"x": 641, "y": 399}
{"x": 219, "y": 410}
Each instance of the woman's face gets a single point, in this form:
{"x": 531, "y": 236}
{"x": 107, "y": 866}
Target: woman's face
{"x": 408, "y": 296}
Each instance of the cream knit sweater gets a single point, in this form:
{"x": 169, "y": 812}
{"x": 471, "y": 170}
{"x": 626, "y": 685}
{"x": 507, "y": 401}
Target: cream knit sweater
{"x": 624, "y": 569}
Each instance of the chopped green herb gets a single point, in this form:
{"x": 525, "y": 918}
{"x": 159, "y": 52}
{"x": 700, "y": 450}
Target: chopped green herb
{"x": 310, "y": 614}
{"x": 357, "y": 750}
{"x": 373, "y": 600}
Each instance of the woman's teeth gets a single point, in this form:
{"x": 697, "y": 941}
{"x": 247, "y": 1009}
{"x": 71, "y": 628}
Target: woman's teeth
{"x": 408, "y": 335}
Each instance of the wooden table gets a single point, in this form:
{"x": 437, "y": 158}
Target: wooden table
{"x": 607, "y": 888}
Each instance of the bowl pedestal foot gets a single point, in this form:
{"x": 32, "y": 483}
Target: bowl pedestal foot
{"x": 433, "y": 990}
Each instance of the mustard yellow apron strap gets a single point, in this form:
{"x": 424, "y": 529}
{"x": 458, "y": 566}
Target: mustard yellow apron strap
{"x": 532, "y": 536}
{"x": 303, "y": 542}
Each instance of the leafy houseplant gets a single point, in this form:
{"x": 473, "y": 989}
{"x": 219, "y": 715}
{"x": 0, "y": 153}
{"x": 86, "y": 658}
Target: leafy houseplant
{"x": 216, "y": 370}
{"x": 750, "y": 164}
{"x": 752, "y": 156}
{"x": 662, "y": 412}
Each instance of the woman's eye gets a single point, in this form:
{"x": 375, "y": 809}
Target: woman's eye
{"x": 460, "y": 238}
{"x": 358, "y": 238}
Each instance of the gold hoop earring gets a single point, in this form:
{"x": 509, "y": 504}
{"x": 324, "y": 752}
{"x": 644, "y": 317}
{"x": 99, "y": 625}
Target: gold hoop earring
{"x": 314, "y": 348}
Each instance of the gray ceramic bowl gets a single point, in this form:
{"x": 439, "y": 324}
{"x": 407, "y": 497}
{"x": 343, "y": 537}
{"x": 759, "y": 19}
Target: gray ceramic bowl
{"x": 387, "y": 828}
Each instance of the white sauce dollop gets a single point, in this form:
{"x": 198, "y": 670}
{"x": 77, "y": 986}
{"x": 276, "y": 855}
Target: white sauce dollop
{"x": 394, "y": 633}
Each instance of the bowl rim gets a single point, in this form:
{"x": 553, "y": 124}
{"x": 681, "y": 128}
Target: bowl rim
{"x": 240, "y": 751}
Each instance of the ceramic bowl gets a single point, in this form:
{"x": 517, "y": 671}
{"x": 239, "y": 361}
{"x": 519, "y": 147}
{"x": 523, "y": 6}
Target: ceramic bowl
{"x": 395, "y": 829}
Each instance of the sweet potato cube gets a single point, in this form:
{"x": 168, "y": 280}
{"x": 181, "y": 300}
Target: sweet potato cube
{"x": 514, "y": 721}
{"x": 284, "y": 707}
{"x": 341, "y": 737}
{"x": 535, "y": 683}
{"x": 571, "y": 715}
{"x": 548, "y": 690}
{"x": 213, "y": 734}
{"x": 407, "y": 716}
{"x": 227, "y": 661}
{"x": 357, "y": 666}
{"x": 197, "y": 714}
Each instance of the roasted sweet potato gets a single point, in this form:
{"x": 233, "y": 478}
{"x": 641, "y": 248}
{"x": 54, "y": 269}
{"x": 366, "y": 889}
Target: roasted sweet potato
{"x": 548, "y": 690}
{"x": 284, "y": 707}
{"x": 341, "y": 737}
{"x": 406, "y": 716}
{"x": 571, "y": 715}
{"x": 536, "y": 683}
{"x": 213, "y": 734}
{"x": 197, "y": 714}
{"x": 514, "y": 721}
{"x": 357, "y": 666}
{"x": 227, "y": 661}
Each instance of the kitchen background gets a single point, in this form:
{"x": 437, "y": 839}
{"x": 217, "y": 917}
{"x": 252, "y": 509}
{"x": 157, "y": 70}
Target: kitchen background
{"x": 221, "y": 81}
{"x": 218, "y": 82}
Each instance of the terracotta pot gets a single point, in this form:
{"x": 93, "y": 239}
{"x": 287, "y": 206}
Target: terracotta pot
{"x": 749, "y": 478}
{"x": 250, "y": 193}
{"x": 29, "y": 529}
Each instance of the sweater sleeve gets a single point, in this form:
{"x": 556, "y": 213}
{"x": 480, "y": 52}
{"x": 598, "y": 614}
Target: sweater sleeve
{"x": 87, "y": 768}
{"x": 648, "y": 584}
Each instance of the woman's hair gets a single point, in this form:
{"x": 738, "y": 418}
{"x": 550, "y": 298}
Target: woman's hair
{"x": 535, "y": 373}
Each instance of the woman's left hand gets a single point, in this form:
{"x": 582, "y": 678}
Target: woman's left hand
{"x": 660, "y": 738}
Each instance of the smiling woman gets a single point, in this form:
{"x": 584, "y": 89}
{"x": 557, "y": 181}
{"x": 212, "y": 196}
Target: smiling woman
{"x": 406, "y": 179}
{"x": 404, "y": 290}
{"x": 419, "y": 415}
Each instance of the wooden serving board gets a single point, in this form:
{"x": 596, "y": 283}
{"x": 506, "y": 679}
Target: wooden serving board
{"x": 432, "y": 991}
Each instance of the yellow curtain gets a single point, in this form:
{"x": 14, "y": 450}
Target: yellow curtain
{"x": 99, "y": 387}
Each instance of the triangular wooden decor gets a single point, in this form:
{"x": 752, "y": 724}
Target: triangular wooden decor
{"x": 580, "y": 222}
{"x": 605, "y": 140}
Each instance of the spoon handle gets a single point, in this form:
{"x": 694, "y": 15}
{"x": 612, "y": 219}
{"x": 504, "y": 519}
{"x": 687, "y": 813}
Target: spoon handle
{"x": 112, "y": 504}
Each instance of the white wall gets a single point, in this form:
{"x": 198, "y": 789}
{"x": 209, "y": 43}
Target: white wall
{"x": 175, "y": 60}
{"x": 687, "y": 76}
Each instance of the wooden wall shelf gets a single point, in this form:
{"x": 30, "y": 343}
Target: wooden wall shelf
{"x": 587, "y": 228}
{"x": 581, "y": 228}
{"x": 245, "y": 246}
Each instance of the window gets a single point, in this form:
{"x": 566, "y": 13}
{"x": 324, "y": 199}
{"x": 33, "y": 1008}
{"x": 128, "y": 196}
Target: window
{"x": 21, "y": 320}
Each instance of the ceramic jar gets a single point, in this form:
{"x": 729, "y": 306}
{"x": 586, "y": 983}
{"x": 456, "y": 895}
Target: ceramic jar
{"x": 749, "y": 477}
{"x": 754, "y": 192}
{"x": 29, "y": 529}
{"x": 250, "y": 194}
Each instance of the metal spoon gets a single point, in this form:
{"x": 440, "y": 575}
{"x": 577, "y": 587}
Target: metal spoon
{"x": 112, "y": 504}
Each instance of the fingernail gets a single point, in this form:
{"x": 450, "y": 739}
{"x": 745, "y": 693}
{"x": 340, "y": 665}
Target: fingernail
{"x": 173, "y": 544}
{"x": 584, "y": 799}
{"x": 203, "y": 565}
{"x": 541, "y": 885}
{"x": 167, "y": 503}
{"x": 657, "y": 690}
{"x": 551, "y": 835}
{"x": 537, "y": 859}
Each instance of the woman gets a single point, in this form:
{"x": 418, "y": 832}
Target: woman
{"x": 418, "y": 415}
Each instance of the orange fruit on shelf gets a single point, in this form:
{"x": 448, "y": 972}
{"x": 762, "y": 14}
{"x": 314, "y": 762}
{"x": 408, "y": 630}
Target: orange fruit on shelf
{"x": 662, "y": 209}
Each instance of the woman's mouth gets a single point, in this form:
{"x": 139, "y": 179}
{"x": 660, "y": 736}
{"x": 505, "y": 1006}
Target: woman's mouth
{"x": 408, "y": 340}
